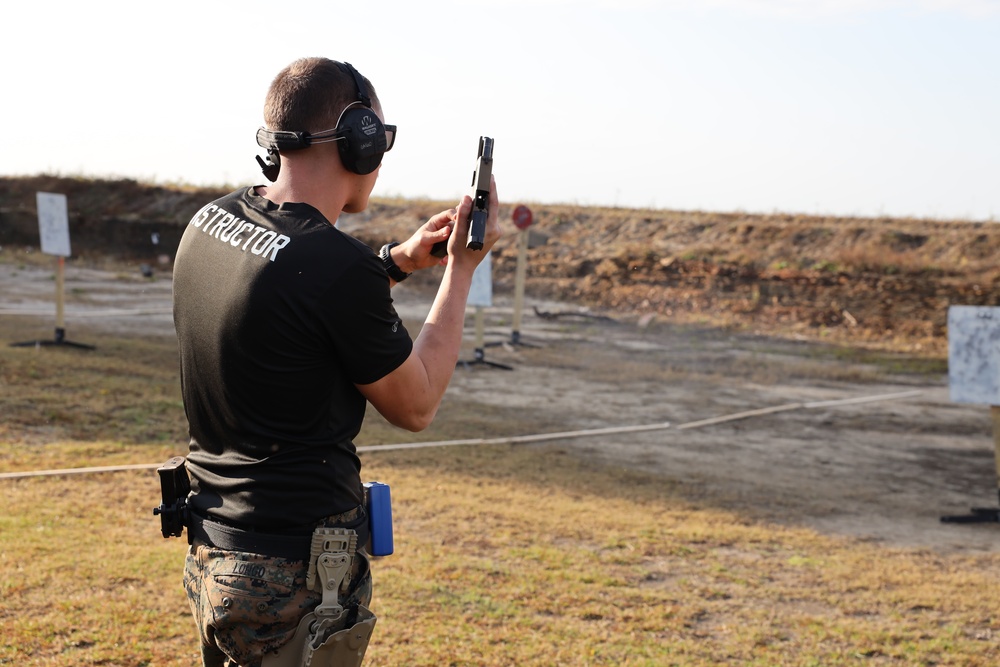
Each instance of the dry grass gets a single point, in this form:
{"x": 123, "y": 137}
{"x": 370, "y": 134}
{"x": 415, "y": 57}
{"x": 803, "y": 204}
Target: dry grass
{"x": 505, "y": 555}
{"x": 126, "y": 392}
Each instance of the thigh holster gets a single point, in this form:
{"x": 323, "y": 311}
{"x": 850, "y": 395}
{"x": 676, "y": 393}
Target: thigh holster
{"x": 331, "y": 635}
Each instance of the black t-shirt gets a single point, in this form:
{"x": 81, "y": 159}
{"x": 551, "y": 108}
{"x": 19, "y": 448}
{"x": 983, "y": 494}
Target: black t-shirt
{"x": 278, "y": 316}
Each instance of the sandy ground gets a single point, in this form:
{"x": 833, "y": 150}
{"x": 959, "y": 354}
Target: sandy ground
{"x": 885, "y": 468}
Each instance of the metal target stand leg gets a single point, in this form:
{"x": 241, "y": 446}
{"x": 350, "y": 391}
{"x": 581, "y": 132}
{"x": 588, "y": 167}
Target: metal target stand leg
{"x": 515, "y": 341}
{"x": 479, "y": 359}
{"x": 479, "y": 355}
{"x": 59, "y": 339}
{"x": 984, "y": 514}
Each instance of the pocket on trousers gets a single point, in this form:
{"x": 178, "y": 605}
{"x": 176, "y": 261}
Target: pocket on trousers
{"x": 256, "y": 602}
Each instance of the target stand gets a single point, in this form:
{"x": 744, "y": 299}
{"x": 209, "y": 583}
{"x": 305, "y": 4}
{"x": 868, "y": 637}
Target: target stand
{"x": 59, "y": 339}
{"x": 481, "y": 296}
{"x": 523, "y": 219}
{"x": 984, "y": 514}
{"x": 479, "y": 354}
{"x": 53, "y": 231}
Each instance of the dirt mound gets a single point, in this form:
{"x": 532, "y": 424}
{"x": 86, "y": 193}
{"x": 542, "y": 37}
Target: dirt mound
{"x": 874, "y": 281}
{"x": 885, "y": 282}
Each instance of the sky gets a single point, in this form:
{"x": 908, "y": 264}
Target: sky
{"x": 829, "y": 107}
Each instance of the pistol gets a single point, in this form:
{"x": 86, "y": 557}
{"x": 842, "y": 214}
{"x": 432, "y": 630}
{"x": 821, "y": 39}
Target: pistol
{"x": 480, "y": 200}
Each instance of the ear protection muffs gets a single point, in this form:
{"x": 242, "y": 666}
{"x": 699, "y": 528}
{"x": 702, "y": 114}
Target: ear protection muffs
{"x": 360, "y": 135}
{"x": 363, "y": 138}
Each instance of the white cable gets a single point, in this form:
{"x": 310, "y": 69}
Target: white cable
{"x": 70, "y": 312}
{"x": 740, "y": 415}
{"x": 862, "y": 399}
{"x": 79, "y": 471}
{"x": 519, "y": 439}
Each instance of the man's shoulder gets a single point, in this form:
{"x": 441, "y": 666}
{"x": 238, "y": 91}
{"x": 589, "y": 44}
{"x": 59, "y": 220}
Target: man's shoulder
{"x": 236, "y": 195}
{"x": 356, "y": 244}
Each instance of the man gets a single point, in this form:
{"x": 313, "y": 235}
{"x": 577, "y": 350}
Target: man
{"x": 286, "y": 329}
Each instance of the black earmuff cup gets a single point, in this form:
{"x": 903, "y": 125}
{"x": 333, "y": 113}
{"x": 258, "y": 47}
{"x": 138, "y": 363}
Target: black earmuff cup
{"x": 364, "y": 141}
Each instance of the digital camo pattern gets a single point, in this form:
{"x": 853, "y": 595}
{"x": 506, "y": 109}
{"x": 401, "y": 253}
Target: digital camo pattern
{"x": 247, "y": 605}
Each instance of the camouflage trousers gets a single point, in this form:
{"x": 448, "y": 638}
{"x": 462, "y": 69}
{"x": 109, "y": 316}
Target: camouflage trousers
{"x": 247, "y": 605}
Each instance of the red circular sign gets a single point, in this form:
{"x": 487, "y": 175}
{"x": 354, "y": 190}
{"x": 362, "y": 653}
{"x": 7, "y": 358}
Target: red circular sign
{"x": 522, "y": 217}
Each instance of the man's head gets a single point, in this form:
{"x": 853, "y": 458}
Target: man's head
{"x": 310, "y": 94}
{"x": 316, "y": 101}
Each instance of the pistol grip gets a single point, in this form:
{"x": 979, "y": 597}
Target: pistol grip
{"x": 439, "y": 249}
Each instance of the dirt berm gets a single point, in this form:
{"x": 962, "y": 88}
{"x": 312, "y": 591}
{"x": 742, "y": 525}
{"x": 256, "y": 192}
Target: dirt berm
{"x": 875, "y": 281}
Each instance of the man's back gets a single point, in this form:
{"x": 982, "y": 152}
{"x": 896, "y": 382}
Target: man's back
{"x": 276, "y": 314}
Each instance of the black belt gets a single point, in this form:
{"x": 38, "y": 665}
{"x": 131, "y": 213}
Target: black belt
{"x": 295, "y": 546}
{"x": 230, "y": 538}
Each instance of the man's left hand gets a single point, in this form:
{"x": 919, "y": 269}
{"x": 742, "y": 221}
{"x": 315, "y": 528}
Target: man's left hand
{"x": 414, "y": 253}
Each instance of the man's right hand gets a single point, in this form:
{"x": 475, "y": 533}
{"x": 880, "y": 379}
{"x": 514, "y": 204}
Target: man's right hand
{"x": 460, "y": 233}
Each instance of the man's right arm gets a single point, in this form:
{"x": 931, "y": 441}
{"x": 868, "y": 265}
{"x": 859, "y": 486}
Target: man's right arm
{"x": 410, "y": 396}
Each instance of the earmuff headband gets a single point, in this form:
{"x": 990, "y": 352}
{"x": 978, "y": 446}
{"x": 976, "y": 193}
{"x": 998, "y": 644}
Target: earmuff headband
{"x": 281, "y": 140}
{"x": 359, "y": 84}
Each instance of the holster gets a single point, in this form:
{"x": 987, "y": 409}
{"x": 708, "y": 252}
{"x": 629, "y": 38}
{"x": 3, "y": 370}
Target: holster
{"x": 330, "y": 635}
{"x": 174, "y": 489}
{"x": 343, "y": 648}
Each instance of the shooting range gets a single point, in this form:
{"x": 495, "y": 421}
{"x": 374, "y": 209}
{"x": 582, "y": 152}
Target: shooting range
{"x": 974, "y": 377}
{"x": 53, "y": 230}
{"x": 728, "y": 435}
{"x": 714, "y": 452}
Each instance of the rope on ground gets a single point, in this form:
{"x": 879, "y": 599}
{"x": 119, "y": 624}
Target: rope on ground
{"x": 522, "y": 439}
{"x": 74, "y": 314}
{"x": 79, "y": 471}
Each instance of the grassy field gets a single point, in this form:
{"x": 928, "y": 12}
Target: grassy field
{"x": 505, "y": 555}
